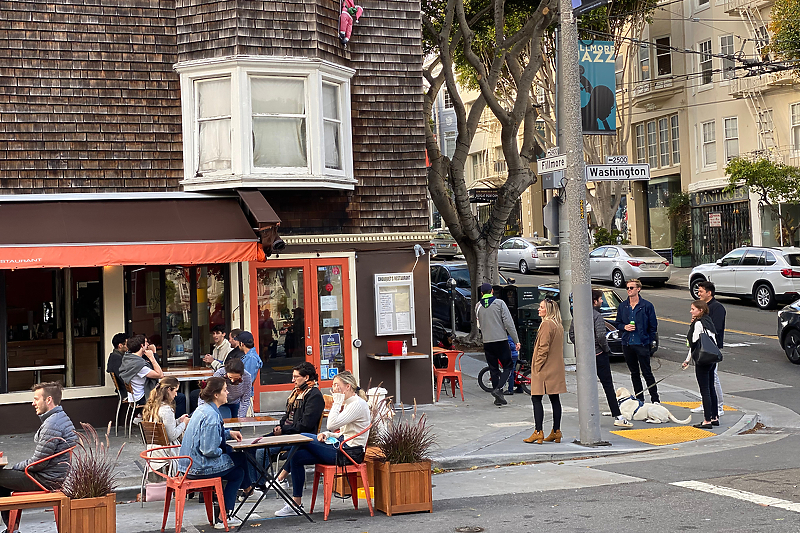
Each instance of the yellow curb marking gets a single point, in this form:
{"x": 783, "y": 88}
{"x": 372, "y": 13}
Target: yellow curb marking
{"x": 692, "y": 405}
{"x": 774, "y": 337}
{"x": 664, "y": 436}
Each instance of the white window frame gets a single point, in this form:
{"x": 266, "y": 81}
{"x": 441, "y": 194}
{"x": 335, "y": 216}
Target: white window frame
{"x": 645, "y": 74}
{"x": 728, "y": 65}
{"x": 731, "y": 136}
{"x": 675, "y": 139}
{"x": 794, "y": 128}
{"x": 336, "y": 121}
{"x": 661, "y": 52}
{"x": 663, "y": 142}
{"x": 652, "y": 143}
{"x": 705, "y": 58}
{"x": 198, "y": 121}
{"x": 710, "y": 141}
{"x": 243, "y": 172}
{"x": 641, "y": 144}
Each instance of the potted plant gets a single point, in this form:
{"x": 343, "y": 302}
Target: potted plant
{"x": 679, "y": 212}
{"x": 91, "y": 482}
{"x": 403, "y": 475}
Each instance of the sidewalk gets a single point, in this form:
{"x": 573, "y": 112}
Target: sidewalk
{"x": 679, "y": 278}
{"x": 470, "y": 434}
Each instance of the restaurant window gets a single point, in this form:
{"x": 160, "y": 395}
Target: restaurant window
{"x": 176, "y": 308}
{"x": 52, "y": 331}
{"x": 214, "y": 124}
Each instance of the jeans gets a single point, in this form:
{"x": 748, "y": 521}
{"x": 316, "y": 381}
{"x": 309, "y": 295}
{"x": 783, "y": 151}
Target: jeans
{"x": 604, "y": 375}
{"x": 512, "y": 375}
{"x": 311, "y": 453}
{"x": 538, "y": 411}
{"x": 498, "y": 353}
{"x": 718, "y": 387}
{"x": 638, "y": 357}
{"x": 14, "y": 481}
{"x": 236, "y": 478}
{"x": 705, "y": 380}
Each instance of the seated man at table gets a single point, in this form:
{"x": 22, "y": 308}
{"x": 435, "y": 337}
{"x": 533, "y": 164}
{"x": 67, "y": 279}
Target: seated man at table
{"x": 115, "y": 357}
{"x": 56, "y": 434}
{"x": 240, "y": 385}
{"x": 141, "y": 370}
{"x": 221, "y": 348}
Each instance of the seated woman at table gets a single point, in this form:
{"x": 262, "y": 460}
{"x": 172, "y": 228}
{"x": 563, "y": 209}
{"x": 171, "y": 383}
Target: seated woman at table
{"x": 240, "y": 385}
{"x": 349, "y": 416}
{"x": 160, "y": 407}
{"x": 205, "y": 442}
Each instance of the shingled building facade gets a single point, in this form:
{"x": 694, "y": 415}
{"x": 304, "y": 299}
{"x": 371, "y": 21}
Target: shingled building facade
{"x": 152, "y": 151}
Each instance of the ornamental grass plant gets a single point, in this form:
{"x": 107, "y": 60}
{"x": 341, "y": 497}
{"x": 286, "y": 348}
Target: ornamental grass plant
{"x": 92, "y": 470}
{"x": 406, "y": 440}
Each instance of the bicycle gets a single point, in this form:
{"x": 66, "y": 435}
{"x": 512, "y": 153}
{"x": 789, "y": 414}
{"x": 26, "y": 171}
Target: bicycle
{"x": 522, "y": 377}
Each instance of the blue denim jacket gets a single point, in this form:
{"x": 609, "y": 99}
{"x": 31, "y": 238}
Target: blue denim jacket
{"x": 203, "y": 442}
{"x": 252, "y": 363}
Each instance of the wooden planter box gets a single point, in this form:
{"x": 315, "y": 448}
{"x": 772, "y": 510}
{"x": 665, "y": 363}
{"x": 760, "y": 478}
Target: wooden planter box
{"x": 340, "y": 484}
{"x": 98, "y": 515}
{"x": 403, "y": 488}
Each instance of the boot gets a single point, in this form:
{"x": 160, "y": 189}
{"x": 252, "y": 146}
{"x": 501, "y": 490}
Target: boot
{"x": 537, "y": 437}
{"x": 554, "y": 436}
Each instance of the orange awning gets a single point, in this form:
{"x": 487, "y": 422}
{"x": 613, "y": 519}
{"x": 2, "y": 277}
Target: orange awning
{"x": 47, "y": 234}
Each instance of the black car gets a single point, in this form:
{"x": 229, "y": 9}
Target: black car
{"x": 789, "y": 331}
{"x": 441, "y": 273}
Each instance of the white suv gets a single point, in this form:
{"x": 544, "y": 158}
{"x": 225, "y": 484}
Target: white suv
{"x": 767, "y": 275}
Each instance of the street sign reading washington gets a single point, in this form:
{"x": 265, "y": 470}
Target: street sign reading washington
{"x": 617, "y": 172}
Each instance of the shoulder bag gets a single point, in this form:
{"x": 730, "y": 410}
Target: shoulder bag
{"x": 706, "y": 352}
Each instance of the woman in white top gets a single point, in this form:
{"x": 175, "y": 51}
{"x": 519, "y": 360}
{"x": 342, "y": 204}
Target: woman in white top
{"x": 160, "y": 407}
{"x": 349, "y": 416}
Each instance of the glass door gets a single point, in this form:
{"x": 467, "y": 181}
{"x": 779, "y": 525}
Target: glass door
{"x": 332, "y": 313}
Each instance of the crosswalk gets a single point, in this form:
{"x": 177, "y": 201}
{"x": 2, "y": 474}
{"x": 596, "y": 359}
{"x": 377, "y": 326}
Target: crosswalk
{"x": 766, "y": 501}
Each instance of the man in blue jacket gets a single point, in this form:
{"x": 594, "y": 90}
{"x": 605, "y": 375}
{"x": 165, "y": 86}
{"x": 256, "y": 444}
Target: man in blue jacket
{"x": 637, "y": 324}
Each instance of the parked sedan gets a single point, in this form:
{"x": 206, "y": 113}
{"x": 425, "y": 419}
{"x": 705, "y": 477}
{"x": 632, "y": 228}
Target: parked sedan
{"x": 767, "y": 275}
{"x": 527, "y": 254}
{"x": 444, "y": 246}
{"x": 789, "y": 331}
{"x": 441, "y": 274}
{"x": 618, "y": 264}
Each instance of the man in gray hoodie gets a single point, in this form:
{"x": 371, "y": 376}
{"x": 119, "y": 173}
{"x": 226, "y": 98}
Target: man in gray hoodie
{"x": 496, "y": 325}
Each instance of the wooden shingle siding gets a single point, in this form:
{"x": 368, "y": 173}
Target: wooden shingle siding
{"x": 88, "y": 97}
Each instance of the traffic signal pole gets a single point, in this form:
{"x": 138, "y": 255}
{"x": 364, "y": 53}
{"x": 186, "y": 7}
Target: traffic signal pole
{"x": 571, "y": 144}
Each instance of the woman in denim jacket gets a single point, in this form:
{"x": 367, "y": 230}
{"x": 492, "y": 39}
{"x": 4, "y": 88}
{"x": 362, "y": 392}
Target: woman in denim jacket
{"x": 205, "y": 442}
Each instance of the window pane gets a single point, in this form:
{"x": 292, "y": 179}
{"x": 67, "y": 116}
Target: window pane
{"x": 663, "y": 141}
{"x": 731, "y": 138}
{"x": 641, "y": 149}
{"x": 278, "y": 96}
{"x": 279, "y": 142}
{"x": 709, "y": 144}
{"x": 330, "y": 101}
{"x": 281, "y": 323}
{"x": 87, "y": 310}
{"x": 214, "y": 98}
{"x": 178, "y": 344}
{"x": 663, "y": 56}
{"x": 210, "y": 304}
{"x": 652, "y": 146}
{"x": 331, "y": 320}
{"x": 726, "y": 48}
{"x": 705, "y": 62}
{"x": 676, "y": 143}
{"x": 215, "y": 145}
{"x": 144, "y": 303}
{"x": 332, "y": 159}
{"x": 644, "y": 62}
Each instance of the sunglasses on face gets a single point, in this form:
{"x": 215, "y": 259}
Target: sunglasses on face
{"x": 631, "y": 288}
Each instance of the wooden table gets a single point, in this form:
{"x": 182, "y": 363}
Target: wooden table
{"x": 253, "y": 421}
{"x": 38, "y": 500}
{"x": 397, "y": 360}
{"x": 187, "y": 374}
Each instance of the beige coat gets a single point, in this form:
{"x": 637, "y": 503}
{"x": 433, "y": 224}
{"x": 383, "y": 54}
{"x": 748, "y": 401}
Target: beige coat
{"x": 547, "y": 360}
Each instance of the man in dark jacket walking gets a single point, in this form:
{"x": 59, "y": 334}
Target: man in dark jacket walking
{"x": 716, "y": 312}
{"x": 603, "y": 353}
{"x": 56, "y": 434}
{"x": 496, "y": 324}
{"x": 637, "y": 324}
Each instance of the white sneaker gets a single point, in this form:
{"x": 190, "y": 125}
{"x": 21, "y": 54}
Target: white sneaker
{"x": 622, "y": 422}
{"x": 720, "y": 412}
{"x": 286, "y": 510}
{"x": 232, "y": 522}
{"x": 698, "y": 409}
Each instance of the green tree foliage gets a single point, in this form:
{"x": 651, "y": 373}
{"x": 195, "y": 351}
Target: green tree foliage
{"x": 603, "y": 237}
{"x": 774, "y": 183}
{"x": 785, "y": 27}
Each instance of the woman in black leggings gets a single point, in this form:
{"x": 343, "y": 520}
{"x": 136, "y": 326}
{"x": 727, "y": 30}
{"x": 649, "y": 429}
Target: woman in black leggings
{"x": 547, "y": 371}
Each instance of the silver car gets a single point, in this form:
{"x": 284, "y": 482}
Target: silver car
{"x": 443, "y": 245}
{"x": 528, "y": 254}
{"x": 618, "y": 264}
{"x": 767, "y": 275}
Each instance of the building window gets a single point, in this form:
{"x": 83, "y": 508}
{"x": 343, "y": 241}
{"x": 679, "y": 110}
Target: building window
{"x": 279, "y": 122}
{"x": 619, "y": 71}
{"x": 644, "y": 62}
{"x": 731, "y": 138}
{"x": 705, "y": 62}
{"x": 641, "y": 147}
{"x": 450, "y": 143}
{"x": 663, "y": 141}
{"x": 448, "y": 102}
{"x": 214, "y": 124}
{"x": 652, "y": 144}
{"x": 332, "y": 131}
{"x": 702, "y": 3}
{"x": 663, "y": 56}
{"x": 709, "y": 144}
{"x": 676, "y": 140}
{"x": 765, "y": 127}
{"x": 728, "y": 64}
{"x": 794, "y": 112}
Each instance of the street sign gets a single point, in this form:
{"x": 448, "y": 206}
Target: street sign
{"x": 616, "y": 160}
{"x": 551, "y": 164}
{"x": 617, "y": 172}
{"x": 715, "y": 220}
{"x": 552, "y": 152}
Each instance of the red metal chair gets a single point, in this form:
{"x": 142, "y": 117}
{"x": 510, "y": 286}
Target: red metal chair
{"x": 180, "y": 487}
{"x": 453, "y": 360}
{"x": 328, "y": 473}
{"x": 14, "y": 514}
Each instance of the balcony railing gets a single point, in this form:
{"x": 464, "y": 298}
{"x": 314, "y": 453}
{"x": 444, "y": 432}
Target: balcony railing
{"x": 761, "y": 83}
{"x": 732, "y": 7}
{"x": 786, "y": 155}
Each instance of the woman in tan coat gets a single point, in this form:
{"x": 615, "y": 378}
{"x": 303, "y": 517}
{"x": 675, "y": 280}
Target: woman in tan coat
{"x": 547, "y": 371}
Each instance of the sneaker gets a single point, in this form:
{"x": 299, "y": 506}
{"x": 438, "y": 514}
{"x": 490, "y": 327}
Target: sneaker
{"x": 622, "y": 422}
{"x": 232, "y": 522}
{"x": 498, "y": 397}
{"x": 497, "y": 402}
{"x": 698, "y": 409}
{"x": 286, "y": 510}
{"x": 720, "y": 413}
{"x": 284, "y": 485}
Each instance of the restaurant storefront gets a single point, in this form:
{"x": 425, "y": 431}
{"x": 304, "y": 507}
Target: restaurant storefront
{"x": 720, "y": 223}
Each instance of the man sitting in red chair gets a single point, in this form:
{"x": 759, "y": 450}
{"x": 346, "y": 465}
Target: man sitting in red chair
{"x": 56, "y": 434}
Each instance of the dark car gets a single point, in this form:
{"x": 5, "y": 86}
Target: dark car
{"x": 789, "y": 331}
{"x": 441, "y": 273}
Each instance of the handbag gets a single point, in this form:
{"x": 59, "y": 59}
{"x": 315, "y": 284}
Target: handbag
{"x": 707, "y": 352}
{"x": 355, "y": 452}
{"x": 156, "y": 492}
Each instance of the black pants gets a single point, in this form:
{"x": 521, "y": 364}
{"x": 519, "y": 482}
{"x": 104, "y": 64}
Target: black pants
{"x": 705, "y": 380}
{"x": 604, "y": 375}
{"x": 498, "y": 353}
{"x": 14, "y": 481}
{"x": 538, "y": 411}
{"x": 638, "y": 357}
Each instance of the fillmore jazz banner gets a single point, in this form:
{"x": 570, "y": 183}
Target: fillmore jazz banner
{"x": 598, "y": 100}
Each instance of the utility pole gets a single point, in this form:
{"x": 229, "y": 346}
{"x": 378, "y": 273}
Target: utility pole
{"x": 571, "y": 143}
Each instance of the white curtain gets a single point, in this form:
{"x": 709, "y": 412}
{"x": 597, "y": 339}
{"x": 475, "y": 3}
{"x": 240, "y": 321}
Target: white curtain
{"x": 214, "y": 114}
{"x": 279, "y": 142}
{"x": 330, "y": 114}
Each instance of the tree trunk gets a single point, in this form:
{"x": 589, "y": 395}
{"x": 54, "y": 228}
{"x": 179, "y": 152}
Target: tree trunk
{"x": 482, "y": 263}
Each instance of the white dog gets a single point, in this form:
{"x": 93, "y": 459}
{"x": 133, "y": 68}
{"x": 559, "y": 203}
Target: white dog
{"x": 633, "y": 409}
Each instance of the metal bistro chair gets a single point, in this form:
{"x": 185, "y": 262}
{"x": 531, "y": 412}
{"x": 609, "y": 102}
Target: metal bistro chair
{"x": 132, "y": 408}
{"x": 14, "y": 514}
{"x": 122, "y": 399}
{"x": 452, "y": 373}
{"x": 154, "y": 434}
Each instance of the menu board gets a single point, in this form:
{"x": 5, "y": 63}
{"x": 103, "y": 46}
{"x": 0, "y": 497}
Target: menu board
{"x": 394, "y": 303}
